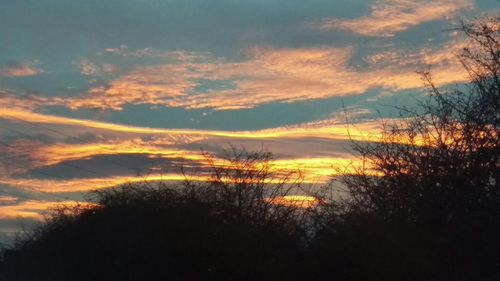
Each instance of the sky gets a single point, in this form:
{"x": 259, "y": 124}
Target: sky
{"x": 97, "y": 93}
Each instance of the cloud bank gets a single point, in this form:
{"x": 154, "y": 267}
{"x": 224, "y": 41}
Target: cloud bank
{"x": 196, "y": 81}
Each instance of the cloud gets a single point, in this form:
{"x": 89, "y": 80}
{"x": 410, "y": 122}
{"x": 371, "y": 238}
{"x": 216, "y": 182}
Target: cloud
{"x": 89, "y": 68}
{"x": 117, "y": 51}
{"x": 7, "y": 200}
{"x": 32, "y": 209}
{"x": 315, "y": 170}
{"x": 267, "y": 76}
{"x": 388, "y": 17}
{"x": 314, "y": 147}
{"x": 26, "y": 102}
{"x": 148, "y": 52}
{"x": 199, "y": 80}
{"x": 59, "y": 153}
{"x": 329, "y": 129}
{"x": 82, "y": 185}
{"x": 21, "y": 69}
{"x": 383, "y": 94}
{"x": 319, "y": 149}
{"x": 89, "y": 184}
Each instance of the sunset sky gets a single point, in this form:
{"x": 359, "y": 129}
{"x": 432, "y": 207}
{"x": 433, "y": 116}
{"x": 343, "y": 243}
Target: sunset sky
{"x": 95, "y": 93}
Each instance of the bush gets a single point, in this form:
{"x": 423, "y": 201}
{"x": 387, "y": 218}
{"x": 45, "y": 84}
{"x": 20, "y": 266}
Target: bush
{"x": 223, "y": 229}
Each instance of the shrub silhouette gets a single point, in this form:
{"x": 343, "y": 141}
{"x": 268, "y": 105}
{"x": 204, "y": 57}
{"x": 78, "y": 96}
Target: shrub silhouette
{"x": 222, "y": 229}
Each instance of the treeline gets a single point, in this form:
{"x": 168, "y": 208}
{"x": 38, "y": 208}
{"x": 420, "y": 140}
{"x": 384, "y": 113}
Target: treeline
{"x": 426, "y": 206}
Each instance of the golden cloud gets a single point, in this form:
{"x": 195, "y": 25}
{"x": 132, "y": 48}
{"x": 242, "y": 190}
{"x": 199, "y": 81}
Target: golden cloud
{"x": 25, "y": 102}
{"x": 318, "y": 149}
{"x": 330, "y": 129}
{"x": 315, "y": 170}
{"x": 86, "y": 184}
{"x": 33, "y": 209}
{"x": 59, "y": 153}
{"x": 267, "y": 76}
{"x": 388, "y": 17}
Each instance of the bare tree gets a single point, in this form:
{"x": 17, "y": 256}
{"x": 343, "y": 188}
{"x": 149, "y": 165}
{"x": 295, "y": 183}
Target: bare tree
{"x": 433, "y": 181}
{"x": 440, "y": 163}
{"x": 247, "y": 184}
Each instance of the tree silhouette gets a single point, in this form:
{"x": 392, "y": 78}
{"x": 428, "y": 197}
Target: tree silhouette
{"x": 437, "y": 182}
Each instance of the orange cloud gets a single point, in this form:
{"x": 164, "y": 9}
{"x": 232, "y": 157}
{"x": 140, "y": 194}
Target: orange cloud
{"x": 7, "y": 200}
{"x": 389, "y": 17}
{"x": 25, "y": 102}
{"x": 330, "y": 129}
{"x": 267, "y": 76}
{"x": 21, "y": 69}
{"x": 84, "y": 185}
{"x": 59, "y": 153}
{"x": 314, "y": 170}
{"x": 90, "y": 184}
{"x": 32, "y": 209}
{"x": 319, "y": 149}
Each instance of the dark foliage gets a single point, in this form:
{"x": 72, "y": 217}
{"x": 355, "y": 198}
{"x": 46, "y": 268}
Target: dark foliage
{"x": 223, "y": 229}
{"x": 430, "y": 190}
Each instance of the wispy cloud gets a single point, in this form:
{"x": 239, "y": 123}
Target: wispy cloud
{"x": 89, "y": 68}
{"x": 20, "y": 69}
{"x": 4, "y": 200}
{"x": 59, "y": 153}
{"x": 21, "y": 102}
{"x": 314, "y": 169}
{"x": 388, "y": 17}
{"x": 325, "y": 129}
{"x": 267, "y": 76}
{"x": 32, "y": 209}
{"x": 316, "y": 147}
